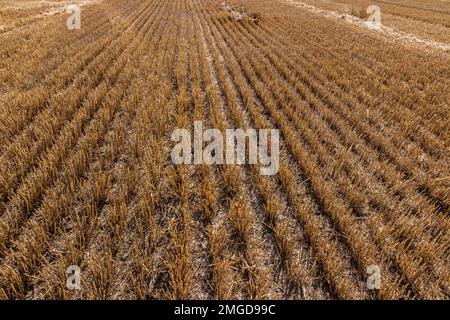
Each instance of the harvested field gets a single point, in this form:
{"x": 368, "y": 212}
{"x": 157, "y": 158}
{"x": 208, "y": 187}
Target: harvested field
{"x": 87, "y": 179}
